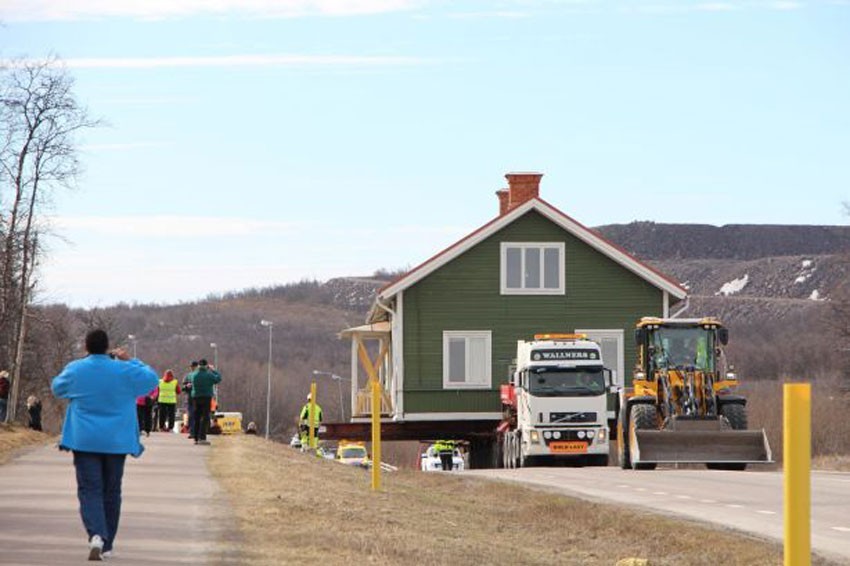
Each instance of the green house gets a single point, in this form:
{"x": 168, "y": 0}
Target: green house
{"x": 441, "y": 338}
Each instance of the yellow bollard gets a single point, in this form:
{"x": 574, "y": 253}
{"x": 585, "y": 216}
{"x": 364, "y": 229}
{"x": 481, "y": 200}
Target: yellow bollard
{"x": 797, "y": 456}
{"x": 311, "y": 417}
{"x": 376, "y": 435}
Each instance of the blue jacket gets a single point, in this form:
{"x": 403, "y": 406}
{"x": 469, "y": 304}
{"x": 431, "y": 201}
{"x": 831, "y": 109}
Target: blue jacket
{"x": 102, "y": 414}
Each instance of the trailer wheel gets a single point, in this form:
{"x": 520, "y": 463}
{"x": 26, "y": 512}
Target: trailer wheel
{"x": 736, "y": 414}
{"x": 642, "y": 417}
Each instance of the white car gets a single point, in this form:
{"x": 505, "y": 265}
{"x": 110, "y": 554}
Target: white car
{"x": 295, "y": 441}
{"x": 429, "y": 461}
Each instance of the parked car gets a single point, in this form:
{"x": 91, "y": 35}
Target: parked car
{"x": 353, "y": 454}
{"x": 429, "y": 461}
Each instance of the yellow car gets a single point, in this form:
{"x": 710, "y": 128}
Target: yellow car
{"x": 352, "y": 454}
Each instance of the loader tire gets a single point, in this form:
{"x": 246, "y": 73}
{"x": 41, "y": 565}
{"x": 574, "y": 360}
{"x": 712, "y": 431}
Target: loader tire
{"x": 643, "y": 417}
{"x": 737, "y": 416}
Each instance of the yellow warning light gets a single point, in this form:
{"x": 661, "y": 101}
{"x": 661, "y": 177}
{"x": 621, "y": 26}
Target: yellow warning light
{"x": 560, "y": 336}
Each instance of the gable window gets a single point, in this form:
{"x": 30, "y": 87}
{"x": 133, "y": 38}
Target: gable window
{"x": 532, "y": 268}
{"x": 467, "y": 359}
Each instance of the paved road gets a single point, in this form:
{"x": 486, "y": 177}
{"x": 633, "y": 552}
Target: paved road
{"x": 171, "y": 514}
{"x": 749, "y": 501}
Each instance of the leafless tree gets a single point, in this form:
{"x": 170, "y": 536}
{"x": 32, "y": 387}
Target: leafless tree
{"x": 39, "y": 122}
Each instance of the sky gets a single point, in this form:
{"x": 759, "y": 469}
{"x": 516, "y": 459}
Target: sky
{"x": 256, "y": 142}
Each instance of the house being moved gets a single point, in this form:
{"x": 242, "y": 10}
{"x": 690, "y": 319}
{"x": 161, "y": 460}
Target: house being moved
{"x": 441, "y": 338}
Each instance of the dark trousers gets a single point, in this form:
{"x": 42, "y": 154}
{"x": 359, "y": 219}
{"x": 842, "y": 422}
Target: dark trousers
{"x": 145, "y": 416}
{"x": 200, "y": 417}
{"x": 166, "y": 416}
{"x": 446, "y": 461}
{"x": 99, "y": 491}
{"x": 190, "y": 410}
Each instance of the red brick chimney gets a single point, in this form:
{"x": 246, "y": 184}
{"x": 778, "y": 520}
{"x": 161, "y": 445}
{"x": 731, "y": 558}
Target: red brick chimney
{"x": 504, "y": 200}
{"x": 522, "y": 187}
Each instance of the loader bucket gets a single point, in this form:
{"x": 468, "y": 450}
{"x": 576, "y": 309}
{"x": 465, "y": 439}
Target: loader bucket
{"x": 701, "y": 442}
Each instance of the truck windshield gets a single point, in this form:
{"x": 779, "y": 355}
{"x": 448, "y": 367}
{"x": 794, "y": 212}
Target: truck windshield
{"x": 683, "y": 347}
{"x": 566, "y": 382}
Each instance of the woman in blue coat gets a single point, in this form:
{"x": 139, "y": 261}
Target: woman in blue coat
{"x": 100, "y": 428}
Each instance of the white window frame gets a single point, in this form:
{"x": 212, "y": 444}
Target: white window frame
{"x": 619, "y": 335}
{"x": 488, "y": 366}
{"x": 503, "y": 268}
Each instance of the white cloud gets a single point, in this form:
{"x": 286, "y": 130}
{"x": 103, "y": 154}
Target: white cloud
{"x": 46, "y": 10}
{"x": 124, "y": 146}
{"x": 239, "y": 61}
{"x": 171, "y": 226}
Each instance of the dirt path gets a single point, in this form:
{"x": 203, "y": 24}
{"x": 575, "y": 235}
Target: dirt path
{"x": 172, "y": 510}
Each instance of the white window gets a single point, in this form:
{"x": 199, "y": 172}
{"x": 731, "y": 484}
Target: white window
{"x": 467, "y": 359}
{"x": 532, "y": 268}
{"x": 611, "y": 342}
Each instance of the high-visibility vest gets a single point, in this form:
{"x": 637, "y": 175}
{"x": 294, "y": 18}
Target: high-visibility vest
{"x": 168, "y": 391}
{"x": 317, "y": 415}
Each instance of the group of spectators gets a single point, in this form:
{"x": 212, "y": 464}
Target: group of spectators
{"x": 160, "y": 404}
{"x": 33, "y": 403}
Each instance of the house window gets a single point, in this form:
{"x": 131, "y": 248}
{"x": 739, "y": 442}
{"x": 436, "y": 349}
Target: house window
{"x": 467, "y": 359}
{"x": 533, "y": 268}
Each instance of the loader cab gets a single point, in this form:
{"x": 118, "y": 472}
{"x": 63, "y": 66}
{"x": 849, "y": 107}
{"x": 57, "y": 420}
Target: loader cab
{"x": 686, "y": 345}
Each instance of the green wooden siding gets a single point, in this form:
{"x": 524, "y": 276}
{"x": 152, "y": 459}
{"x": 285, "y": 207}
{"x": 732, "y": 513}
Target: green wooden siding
{"x": 465, "y": 295}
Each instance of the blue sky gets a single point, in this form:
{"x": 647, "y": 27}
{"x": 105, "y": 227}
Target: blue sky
{"x": 274, "y": 140}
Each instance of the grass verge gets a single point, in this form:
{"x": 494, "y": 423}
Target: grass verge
{"x": 292, "y": 508}
{"x": 13, "y": 437}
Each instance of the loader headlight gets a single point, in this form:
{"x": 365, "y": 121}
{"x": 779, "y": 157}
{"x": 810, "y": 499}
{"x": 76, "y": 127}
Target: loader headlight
{"x": 556, "y": 435}
{"x": 535, "y": 437}
{"x": 580, "y": 434}
{"x": 547, "y": 435}
{"x": 731, "y": 376}
{"x": 640, "y": 375}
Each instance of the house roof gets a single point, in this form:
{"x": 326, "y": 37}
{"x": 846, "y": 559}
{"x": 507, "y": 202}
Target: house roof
{"x": 572, "y": 226}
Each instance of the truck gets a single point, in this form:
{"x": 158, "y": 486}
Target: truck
{"x": 683, "y": 406}
{"x": 555, "y": 405}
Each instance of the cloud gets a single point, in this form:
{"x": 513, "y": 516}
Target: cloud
{"x": 47, "y": 10}
{"x": 172, "y": 226}
{"x": 240, "y": 61}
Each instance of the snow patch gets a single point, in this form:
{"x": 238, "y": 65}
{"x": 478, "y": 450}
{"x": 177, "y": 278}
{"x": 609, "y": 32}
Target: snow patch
{"x": 801, "y": 279}
{"x": 815, "y": 296}
{"x": 734, "y": 286}
{"x": 807, "y": 263}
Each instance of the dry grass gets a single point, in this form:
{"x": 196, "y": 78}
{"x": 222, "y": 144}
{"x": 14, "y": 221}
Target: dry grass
{"x": 830, "y": 419}
{"x": 293, "y": 508}
{"x": 14, "y": 437}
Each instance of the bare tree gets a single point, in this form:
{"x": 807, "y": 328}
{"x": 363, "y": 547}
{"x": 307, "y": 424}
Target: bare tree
{"x": 39, "y": 123}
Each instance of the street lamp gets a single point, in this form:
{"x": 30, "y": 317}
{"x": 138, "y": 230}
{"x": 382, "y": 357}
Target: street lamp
{"x": 132, "y": 339}
{"x": 338, "y": 380}
{"x": 270, "y": 325}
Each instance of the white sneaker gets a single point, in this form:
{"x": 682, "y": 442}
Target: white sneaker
{"x": 108, "y": 554}
{"x": 96, "y": 548}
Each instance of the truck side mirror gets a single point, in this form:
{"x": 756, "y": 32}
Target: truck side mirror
{"x": 723, "y": 335}
{"x": 640, "y": 336}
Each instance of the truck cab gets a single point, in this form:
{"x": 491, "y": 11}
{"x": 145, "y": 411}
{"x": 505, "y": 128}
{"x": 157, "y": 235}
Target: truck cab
{"x": 556, "y": 402}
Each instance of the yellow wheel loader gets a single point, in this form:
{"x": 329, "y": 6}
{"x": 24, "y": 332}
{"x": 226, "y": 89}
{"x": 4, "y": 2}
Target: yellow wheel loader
{"x": 682, "y": 406}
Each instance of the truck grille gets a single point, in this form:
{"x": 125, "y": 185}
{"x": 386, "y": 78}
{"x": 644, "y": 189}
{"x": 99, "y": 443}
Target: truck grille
{"x": 572, "y": 418}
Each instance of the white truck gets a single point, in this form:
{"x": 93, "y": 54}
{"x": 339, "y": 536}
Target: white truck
{"x": 555, "y": 406}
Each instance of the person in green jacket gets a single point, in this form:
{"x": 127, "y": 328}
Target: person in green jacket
{"x": 204, "y": 380}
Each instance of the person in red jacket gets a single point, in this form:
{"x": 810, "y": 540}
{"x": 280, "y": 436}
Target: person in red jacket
{"x": 144, "y": 411}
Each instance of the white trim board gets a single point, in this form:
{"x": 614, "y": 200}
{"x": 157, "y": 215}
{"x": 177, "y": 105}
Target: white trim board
{"x": 548, "y": 211}
{"x": 452, "y": 416}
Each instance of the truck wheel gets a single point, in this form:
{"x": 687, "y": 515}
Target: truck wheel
{"x": 507, "y": 452}
{"x": 737, "y": 416}
{"x": 622, "y": 441}
{"x": 643, "y": 417}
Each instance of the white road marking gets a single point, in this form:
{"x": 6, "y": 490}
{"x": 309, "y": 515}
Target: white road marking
{"x": 733, "y": 506}
{"x": 659, "y": 493}
{"x": 641, "y": 489}
{"x": 683, "y": 497}
{"x": 841, "y": 529}
{"x": 767, "y": 512}
{"x": 624, "y": 486}
{"x": 707, "y": 501}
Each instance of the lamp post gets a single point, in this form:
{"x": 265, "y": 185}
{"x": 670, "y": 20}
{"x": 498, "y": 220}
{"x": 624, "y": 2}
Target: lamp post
{"x": 270, "y": 326}
{"x": 338, "y": 380}
{"x": 132, "y": 339}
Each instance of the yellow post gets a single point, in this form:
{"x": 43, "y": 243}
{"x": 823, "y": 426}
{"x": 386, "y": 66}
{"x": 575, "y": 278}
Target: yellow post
{"x": 376, "y": 434}
{"x": 311, "y": 416}
{"x": 797, "y": 456}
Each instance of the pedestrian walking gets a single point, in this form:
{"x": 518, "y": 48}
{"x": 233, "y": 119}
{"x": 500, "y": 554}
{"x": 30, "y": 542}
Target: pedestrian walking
{"x": 187, "y": 389}
{"x": 34, "y": 412}
{"x": 100, "y": 428}
{"x": 169, "y": 390}
{"x": 144, "y": 411}
{"x": 4, "y": 394}
{"x": 203, "y": 385}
